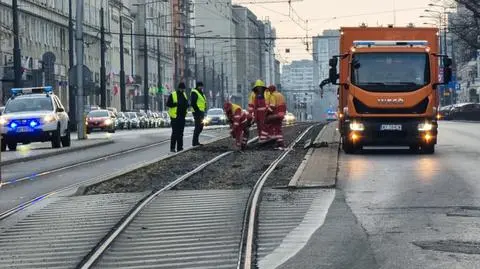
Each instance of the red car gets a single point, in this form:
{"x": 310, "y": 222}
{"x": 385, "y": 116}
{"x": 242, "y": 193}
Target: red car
{"x": 100, "y": 120}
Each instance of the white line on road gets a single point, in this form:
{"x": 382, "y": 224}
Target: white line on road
{"x": 298, "y": 237}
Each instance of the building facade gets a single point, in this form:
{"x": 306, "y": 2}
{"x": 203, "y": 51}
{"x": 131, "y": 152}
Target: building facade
{"x": 216, "y": 55}
{"x": 324, "y": 47}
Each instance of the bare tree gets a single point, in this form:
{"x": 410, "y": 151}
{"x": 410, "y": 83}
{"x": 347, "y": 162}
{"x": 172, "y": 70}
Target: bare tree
{"x": 472, "y": 5}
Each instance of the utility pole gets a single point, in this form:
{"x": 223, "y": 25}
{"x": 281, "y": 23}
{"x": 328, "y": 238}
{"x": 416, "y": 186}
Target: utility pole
{"x": 260, "y": 54}
{"x": 213, "y": 84}
{"x": 123, "y": 101}
{"x": 196, "y": 66}
{"x": 103, "y": 86}
{"x": 204, "y": 77}
{"x": 80, "y": 92}
{"x": 145, "y": 70}
{"x": 159, "y": 71}
{"x": 223, "y": 87}
{"x": 71, "y": 88}
{"x": 17, "y": 61}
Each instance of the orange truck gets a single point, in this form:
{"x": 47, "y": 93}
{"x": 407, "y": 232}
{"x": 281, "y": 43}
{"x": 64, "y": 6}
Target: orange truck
{"x": 387, "y": 87}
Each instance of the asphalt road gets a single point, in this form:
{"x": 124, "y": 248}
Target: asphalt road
{"x": 395, "y": 209}
{"x": 18, "y": 192}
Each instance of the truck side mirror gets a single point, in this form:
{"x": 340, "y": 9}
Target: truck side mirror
{"x": 333, "y": 75}
{"x": 333, "y": 62}
{"x": 447, "y": 62}
{"x": 447, "y": 75}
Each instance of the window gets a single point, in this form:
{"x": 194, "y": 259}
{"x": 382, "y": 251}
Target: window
{"x": 390, "y": 71}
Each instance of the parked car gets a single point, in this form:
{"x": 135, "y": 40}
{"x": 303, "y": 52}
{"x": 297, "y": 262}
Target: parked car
{"x": 122, "y": 122}
{"x": 467, "y": 111}
{"x": 215, "y": 116}
{"x": 165, "y": 119}
{"x": 143, "y": 119}
{"x": 100, "y": 120}
{"x": 133, "y": 118}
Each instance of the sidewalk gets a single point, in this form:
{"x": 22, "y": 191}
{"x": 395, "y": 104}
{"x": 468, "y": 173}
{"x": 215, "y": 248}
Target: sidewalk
{"x": 35, "y": 151}
{"x": 319, "y": 168}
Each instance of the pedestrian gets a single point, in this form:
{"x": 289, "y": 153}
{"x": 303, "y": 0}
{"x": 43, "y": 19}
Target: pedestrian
{"x": 240, "y": 122}
{"x": 177, "y": 104}
{"x": 257, "y": 107}
{"x": 198, "y": 102}
{"x": 276, "y": 111}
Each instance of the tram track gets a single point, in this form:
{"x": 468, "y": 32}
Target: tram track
{"x": 244, "y": 258}
{"x": 172, "y": 218}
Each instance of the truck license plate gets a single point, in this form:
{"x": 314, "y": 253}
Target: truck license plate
{"x": 391, "y": 127}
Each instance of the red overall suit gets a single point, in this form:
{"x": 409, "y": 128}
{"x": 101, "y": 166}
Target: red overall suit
{"x": 257, "y": 105}
{"x": 277, "y": 109}
{"x": 240, "y": 122}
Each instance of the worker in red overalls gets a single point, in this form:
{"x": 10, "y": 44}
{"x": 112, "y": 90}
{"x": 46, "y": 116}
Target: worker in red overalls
{"x": 257, "y": 107}
{"x": 240, "y": 122}
{"x": 277, "y": 108}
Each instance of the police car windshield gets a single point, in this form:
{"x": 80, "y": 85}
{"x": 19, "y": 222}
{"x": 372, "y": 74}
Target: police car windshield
{"x": 29, "y": 103}
{"x": 98, "y": 113}
{"x": 215, "y": 112}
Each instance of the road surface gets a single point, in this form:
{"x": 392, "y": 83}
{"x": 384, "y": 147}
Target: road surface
{"x": 394, "y": 209}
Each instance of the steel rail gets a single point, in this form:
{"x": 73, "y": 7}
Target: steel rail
{"x": 245, "y": 254}
{"x": 97, "y": 253}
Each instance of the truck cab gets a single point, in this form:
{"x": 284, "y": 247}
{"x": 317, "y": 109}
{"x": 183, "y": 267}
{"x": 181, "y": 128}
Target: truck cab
{"x": 388, "y": 79}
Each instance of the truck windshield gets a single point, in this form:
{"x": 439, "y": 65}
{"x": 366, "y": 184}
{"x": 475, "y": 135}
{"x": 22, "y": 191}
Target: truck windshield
{"x": 392, "y": 71}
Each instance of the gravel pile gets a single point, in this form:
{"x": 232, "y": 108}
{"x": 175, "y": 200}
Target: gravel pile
{"x": 158, "y": 175}
{"x": 238, "y": 170}
{"x": 241, "y": 169}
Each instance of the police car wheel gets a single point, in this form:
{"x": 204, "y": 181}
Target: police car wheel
{"x": 56, "y": 139}
{"x": 12, "y": 146}
{"x": 66, "y": 140}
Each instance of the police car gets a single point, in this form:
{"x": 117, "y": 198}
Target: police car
{"x": 34, "y": 115}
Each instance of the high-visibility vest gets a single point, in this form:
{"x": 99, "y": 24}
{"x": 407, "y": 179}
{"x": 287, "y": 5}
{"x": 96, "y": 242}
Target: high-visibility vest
{"x": 201, "y": 101}
{"x": 172, "y": 111}
{"x": 277, "y": 104}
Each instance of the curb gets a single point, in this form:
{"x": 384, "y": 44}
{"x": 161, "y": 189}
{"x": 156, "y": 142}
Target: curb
{"x": 99, "y": 180}
{"x": 333, "y": 146}
{"x": 53, "y": 153}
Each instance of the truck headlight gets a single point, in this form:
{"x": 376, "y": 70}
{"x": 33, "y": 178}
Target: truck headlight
{"x": 49, "y": 118}
{"x": 357, "y": 126}
{"x": 425, "y": 126}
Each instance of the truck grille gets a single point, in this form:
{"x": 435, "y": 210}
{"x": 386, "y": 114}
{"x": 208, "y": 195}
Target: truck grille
{"x": 361, "y": 108}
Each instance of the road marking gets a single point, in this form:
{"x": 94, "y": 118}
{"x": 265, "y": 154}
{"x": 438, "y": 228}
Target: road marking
{"x": 298, "y": 237}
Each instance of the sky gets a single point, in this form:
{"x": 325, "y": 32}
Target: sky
{"x": 331, "y": 14}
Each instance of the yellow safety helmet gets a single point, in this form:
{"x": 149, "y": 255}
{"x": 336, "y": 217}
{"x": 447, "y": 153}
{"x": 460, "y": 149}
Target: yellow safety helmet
{"x": 259, "y": 83}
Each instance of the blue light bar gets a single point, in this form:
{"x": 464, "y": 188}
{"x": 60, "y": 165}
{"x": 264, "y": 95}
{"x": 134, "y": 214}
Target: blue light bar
{"x": 46, "y": 89}
{"x": 390, "y": 43}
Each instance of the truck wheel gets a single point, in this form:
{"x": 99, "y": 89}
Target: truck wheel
{"x": 56, "y": 139}
{"x": 348, "y": 147}
{"x": 12, "y": 146}
{"x": 428, "y": 149}
{"x": 66, "y": 140}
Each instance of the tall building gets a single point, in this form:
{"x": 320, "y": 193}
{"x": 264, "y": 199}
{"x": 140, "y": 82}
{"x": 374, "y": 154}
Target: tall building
{"x": 324, "y": 47}
{"x": 152, "y": 18}
{"x": 268, "y": 52}
{"x": 216, "y": 55}
{"x": 249, "y": 32}
{"x": 298, "y": 76}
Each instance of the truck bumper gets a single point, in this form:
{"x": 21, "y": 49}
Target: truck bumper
{"x": 387, "y": 132}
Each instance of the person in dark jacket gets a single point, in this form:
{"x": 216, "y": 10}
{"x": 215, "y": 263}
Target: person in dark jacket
{"x": 198, "y": 102}
{"x": 177, "y": 104}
